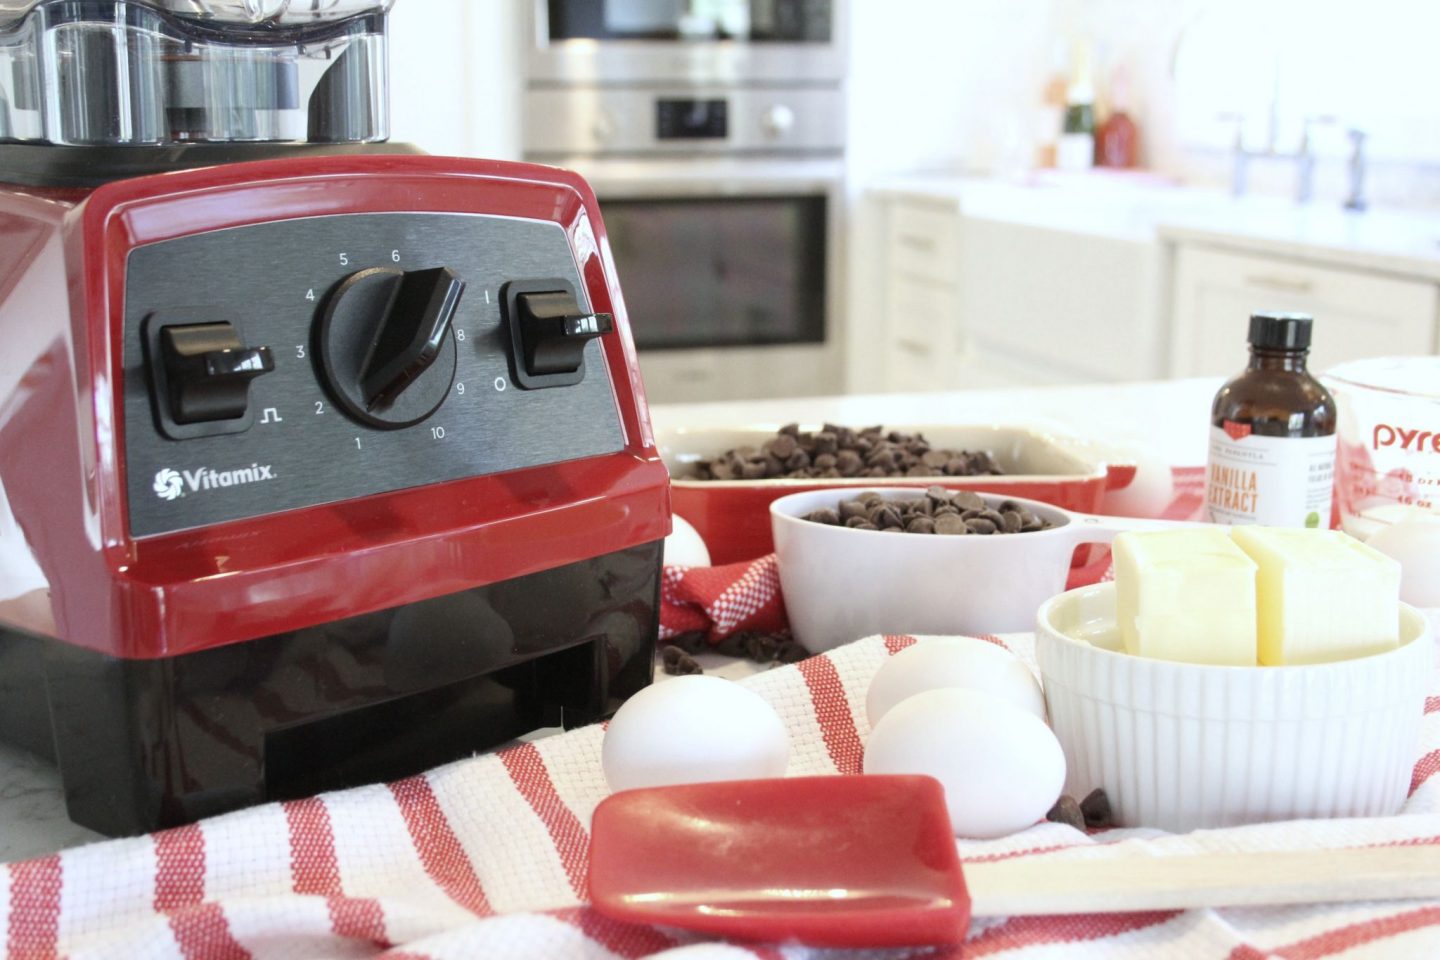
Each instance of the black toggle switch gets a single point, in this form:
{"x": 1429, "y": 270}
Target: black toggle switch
{"x": 549, "y": 330}
{"x": 208, "y": 371}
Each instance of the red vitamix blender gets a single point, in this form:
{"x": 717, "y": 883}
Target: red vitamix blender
{"x": 321, "y": 461}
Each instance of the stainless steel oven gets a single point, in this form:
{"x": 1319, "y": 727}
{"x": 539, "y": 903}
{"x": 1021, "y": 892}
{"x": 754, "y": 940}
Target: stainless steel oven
{"x": 618, "y": 41}
{"x": 720, "y": 174}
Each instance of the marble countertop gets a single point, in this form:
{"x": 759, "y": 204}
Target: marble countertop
{"x": 1164, "y": 423}
{"x": 1142, "y": 207}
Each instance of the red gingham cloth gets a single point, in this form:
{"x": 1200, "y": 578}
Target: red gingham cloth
{"x": 487, "y": 857}
{"x": 724, "y": 600}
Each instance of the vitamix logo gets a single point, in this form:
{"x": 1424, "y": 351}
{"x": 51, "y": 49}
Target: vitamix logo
{"x": 1421, "y": 441}
{"x": 172, "y": 484}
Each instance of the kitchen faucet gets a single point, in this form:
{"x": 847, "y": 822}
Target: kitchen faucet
{"x": 1303, "y": 156}
{"x": 1355, "y": 199}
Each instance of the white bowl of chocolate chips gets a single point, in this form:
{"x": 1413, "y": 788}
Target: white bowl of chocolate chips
{"x": 895, "y": 560}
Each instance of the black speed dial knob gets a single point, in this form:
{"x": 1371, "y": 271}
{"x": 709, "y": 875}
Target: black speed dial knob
{"x": 384, "y": 343}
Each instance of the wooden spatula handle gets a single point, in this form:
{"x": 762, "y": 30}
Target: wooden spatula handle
{"x": 1055, "y": 885}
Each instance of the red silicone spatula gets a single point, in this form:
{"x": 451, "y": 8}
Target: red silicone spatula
{"x": 870, "y": 861}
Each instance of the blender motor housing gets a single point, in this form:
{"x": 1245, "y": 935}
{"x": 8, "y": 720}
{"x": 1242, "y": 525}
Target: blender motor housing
{"x": 287, "y": 502}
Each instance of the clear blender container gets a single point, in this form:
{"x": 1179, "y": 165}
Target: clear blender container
{"x": 164, "y": 72}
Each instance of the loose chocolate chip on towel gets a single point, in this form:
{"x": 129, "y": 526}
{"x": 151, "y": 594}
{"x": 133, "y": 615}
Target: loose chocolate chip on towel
{"x": 678, "y": 663}
{"x": 1067, "y": 811}
{"x": 1096, "y": 808}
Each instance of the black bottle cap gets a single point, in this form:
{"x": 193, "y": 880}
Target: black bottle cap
{"x": 1280, "y": 331}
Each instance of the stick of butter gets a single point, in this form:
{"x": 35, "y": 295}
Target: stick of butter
{"x": 1185, "y": 594}
{"x": 1322, "y": 595}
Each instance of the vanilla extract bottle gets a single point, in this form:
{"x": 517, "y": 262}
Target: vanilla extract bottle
{"x": 1272, "y": 434}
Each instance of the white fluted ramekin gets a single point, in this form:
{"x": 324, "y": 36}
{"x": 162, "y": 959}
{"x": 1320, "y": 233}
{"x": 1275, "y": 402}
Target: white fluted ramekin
{"x": 1182, "y": 746}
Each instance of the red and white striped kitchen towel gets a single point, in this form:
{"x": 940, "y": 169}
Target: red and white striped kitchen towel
{"x": 487, "y": 857}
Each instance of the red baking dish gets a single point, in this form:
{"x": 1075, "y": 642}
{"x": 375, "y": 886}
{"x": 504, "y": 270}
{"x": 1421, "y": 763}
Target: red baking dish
{"x": 732, "y": 516}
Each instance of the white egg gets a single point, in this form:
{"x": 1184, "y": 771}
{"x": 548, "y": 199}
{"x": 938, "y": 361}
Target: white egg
{"x": 939, "y": 662}
{"x": 693, "y": 729}
{"x": 1416, "y": 544}
{"x": 684, "y": 547}
{"x": 1002, "y": 769}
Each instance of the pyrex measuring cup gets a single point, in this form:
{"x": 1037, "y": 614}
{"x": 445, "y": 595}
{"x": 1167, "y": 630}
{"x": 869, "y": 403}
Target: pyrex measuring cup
{"x": 1387, "y": 467}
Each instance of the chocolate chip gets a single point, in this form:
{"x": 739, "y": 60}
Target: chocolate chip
{"x": 968, "y": 500}
{"x": 791, "y": 652}
{"x": 884, "y": 459}
{"x": 677, "y": 662}
{"x": 1067, "y": 811}
{"x": 760, "y": 648}
{"x": 934, "y": 512}
{"x": 783, "y": 446}
{"x": 886, "y": 517}
{"x": 848, "y": 462}
{"x": 950, "y": 524}
{"x": 1096, "y": 808}
{"x": 731, "y": 646}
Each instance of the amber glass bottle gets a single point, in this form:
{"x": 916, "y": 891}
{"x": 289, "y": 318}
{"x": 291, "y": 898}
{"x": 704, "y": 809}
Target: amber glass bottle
{"x": 1272, "y": 434}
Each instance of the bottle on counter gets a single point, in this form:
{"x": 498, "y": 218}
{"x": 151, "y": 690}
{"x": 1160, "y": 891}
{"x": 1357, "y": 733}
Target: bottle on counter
{"x": 1117, "y": 142}
{"x": 1272, "y": 434}
{"x": 1076, "y": 149}
{"x": 1051, "y": 115}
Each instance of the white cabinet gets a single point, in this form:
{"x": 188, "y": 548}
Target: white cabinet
{"x": 1357, "y": 313}
{"x": 971, "y": 300}
{"x": 1075, "y": 306}
{"x": 739, "y": 373}
{"x": 921, "y": 342}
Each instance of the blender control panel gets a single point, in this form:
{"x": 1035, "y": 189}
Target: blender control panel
{"x": 302, "y": 362}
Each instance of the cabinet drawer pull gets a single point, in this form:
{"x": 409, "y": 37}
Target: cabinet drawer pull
{"x": 912, "y": 346}
{"x": 914, "y": 242}
{"x": 1270, "y": 281}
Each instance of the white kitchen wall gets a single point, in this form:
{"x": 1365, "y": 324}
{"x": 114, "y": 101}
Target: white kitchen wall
{"x": 955, "y": 85}
{"x": 456, "y": 73}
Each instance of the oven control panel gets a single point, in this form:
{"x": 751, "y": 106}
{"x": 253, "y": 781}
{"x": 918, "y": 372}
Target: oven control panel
{"x": 301, "y": 362}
